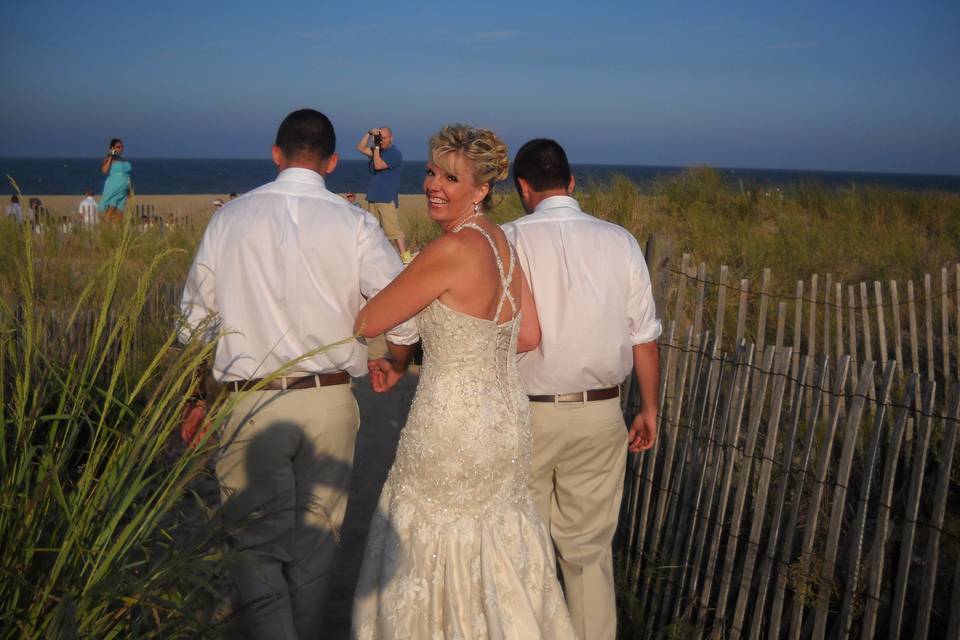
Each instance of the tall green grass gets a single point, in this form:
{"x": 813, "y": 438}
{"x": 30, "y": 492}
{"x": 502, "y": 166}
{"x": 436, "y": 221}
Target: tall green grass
{"x": 93, "y": 538}
{"x": 855, "y": 233}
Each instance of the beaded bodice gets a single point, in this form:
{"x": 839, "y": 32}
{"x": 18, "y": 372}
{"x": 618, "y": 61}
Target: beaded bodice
{"x": 469, "y": 423}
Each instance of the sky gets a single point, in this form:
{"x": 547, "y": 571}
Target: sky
{"x": 855, "y": 86}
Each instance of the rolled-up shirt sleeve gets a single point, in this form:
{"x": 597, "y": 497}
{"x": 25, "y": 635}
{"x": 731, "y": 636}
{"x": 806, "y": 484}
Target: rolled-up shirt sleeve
{"x": 379, "y": 265}
{"x": 198, "y": 304}
{"x": 642, "y": 317}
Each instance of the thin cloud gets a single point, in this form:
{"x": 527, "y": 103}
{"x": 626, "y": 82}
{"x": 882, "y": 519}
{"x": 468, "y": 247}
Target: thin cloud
{"x": 327, "y": 33}
{"x": 795, "y": 44}
{"x": 493, "y": 36}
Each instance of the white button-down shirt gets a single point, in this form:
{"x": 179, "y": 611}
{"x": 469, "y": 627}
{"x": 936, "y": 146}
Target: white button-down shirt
{"x": 286, "y": 268}
{"x": 88, "y": 211}
{"x": 593, "y": 295}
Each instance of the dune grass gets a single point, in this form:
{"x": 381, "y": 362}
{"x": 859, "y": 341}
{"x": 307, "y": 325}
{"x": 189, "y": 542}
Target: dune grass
{"x": 90, "y": 540}
{"x": 855, "y": 233}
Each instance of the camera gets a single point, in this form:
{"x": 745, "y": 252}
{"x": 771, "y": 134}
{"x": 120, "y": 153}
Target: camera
{"x": 377, "y": 139}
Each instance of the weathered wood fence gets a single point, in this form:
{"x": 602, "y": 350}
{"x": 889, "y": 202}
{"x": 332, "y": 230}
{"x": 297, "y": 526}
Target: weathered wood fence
{"x": 62, "y": 332}
{"x": 803, "y": 482}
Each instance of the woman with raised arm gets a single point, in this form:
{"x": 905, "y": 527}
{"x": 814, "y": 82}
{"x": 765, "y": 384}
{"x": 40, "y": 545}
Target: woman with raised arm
{"x": 456, "y": 548}
{"x": 116, "y": 188}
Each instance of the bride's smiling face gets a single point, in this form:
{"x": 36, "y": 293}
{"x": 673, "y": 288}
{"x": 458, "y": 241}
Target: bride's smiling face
{"x": 451, "y": 191}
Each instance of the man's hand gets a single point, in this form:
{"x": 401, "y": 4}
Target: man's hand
{"x": 643, "y": 432}
{"x": 383, "y": 375}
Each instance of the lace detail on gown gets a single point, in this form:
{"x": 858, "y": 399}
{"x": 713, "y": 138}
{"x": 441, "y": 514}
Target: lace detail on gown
{"x": 456, "y": 548}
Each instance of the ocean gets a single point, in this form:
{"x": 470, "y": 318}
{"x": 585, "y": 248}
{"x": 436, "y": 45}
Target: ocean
{"x": 162, "y": 176}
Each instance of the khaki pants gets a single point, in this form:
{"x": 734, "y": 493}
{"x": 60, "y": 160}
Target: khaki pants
{"x": 579, "y": 457}
{"x": 388, "y": 214}
{"x": 284, "y": 470}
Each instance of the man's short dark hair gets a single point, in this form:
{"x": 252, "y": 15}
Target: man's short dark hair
{"x": 306, "y": 132}
{"x": 543, "y": 164}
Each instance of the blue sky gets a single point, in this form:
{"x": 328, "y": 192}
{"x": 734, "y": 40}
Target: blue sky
{"x": 802, "y": 85}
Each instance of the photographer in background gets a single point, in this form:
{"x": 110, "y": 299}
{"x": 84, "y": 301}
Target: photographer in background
{"x": 383, "y": 199}
{"x": 116, "y": 187}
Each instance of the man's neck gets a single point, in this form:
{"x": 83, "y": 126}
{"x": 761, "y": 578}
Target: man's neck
{"x": 536, "y": 197}
{"x": 301, "y": 165}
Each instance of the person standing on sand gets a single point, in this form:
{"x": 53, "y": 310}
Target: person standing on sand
{"x": 383, "y": 191}
{"x": 87, "y": 209}
{"x": 285, "y": 269}
{"x": 116, "y": 188}
{"x": 597, "y": 320}
{"x": 14, "y": 210}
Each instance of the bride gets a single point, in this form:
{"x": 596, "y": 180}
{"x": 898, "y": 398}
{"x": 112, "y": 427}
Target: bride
{"x": 456, "y": 548}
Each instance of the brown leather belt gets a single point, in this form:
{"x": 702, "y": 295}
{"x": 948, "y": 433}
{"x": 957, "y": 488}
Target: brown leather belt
{"x": 580, "y": 396}
{"x": 284, "y": 383}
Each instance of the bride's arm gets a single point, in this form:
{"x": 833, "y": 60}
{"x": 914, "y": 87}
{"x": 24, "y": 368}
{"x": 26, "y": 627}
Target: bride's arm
{"x": 529, "y": 337}
{"x": 431, "y": 273}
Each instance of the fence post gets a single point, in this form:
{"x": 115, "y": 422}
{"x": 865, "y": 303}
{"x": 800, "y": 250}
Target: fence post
{"x": 912, "y": 507}
{"x": 897, "y": 329}
{"x": 929, "y": 579}
{"x": 657, "y": 255}
{"x": 878, "y": 552}
{"x": 742, "y": 381}
{"x": 759, "y": 504}
{"x": 841, "y": 479}
{"x": 945, "y": 324}
{"x": 741, "y": 312}
{"x": 810, "y": 530}
{"x": 855, "y": 534}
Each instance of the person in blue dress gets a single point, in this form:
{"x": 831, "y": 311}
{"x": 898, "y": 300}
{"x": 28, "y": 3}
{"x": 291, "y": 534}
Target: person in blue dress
{"x": 116, "y": 188}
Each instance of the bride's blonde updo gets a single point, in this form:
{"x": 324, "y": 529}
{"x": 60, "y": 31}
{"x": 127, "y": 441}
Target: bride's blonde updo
{"x": 485, "y": 152}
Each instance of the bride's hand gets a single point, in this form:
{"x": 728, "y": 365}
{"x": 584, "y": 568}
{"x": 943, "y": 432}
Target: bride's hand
{"x": 383, "y": 377}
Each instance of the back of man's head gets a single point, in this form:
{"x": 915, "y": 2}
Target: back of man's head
{"x": 543, "y": 164}
{"x": 306, "y": 133}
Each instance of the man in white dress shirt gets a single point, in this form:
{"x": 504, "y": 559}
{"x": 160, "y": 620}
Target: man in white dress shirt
{"x": 88, "y": 209}
{"x": 284, "y": 269}
{"x": 598, "y": 321}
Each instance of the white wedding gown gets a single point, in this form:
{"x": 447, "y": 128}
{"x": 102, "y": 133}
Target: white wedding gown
{"x": 456, "y": 548}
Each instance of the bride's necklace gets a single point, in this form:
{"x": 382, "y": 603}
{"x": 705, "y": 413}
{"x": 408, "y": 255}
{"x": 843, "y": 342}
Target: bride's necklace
{"x": 462, "y": 223}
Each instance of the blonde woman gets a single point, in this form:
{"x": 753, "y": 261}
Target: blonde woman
{"x": 456, "y": 548}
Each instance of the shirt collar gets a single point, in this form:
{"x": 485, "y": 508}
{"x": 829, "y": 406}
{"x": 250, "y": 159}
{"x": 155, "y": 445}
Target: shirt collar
{"x": 557, "y": 202}
{"x": 299, "y": 174}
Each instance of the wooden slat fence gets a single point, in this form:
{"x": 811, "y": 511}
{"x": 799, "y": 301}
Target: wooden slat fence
{"x": 63, "y": 333}
{"x": 803, "y": 484}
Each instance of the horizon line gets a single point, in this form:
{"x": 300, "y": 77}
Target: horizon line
{"x": 572, "y": 164}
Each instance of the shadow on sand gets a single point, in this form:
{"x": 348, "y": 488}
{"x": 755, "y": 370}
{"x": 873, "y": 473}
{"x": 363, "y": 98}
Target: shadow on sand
{"x": 382, "y": 417}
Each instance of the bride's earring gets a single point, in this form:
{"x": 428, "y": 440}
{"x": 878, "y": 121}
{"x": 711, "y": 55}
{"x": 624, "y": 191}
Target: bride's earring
{"x": 476, "y": 208}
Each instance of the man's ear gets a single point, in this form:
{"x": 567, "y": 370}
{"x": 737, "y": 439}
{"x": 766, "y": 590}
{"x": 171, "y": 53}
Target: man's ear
{"x": 572, "y": 185}
{"x": 523, "y": 187}
{"x": 277, "y": 155}
{"x": 331, "y": 163}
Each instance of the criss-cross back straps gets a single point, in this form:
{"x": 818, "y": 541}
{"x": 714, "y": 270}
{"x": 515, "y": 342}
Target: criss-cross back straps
{"x": 505, "y": 280}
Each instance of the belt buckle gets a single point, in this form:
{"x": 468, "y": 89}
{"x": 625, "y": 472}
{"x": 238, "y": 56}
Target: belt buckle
{"x": 583, "y": 398}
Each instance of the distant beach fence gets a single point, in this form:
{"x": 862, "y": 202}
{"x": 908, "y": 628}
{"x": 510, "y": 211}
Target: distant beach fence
{"x": 803, "y": 480}
{"x": 63, "y": 332}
